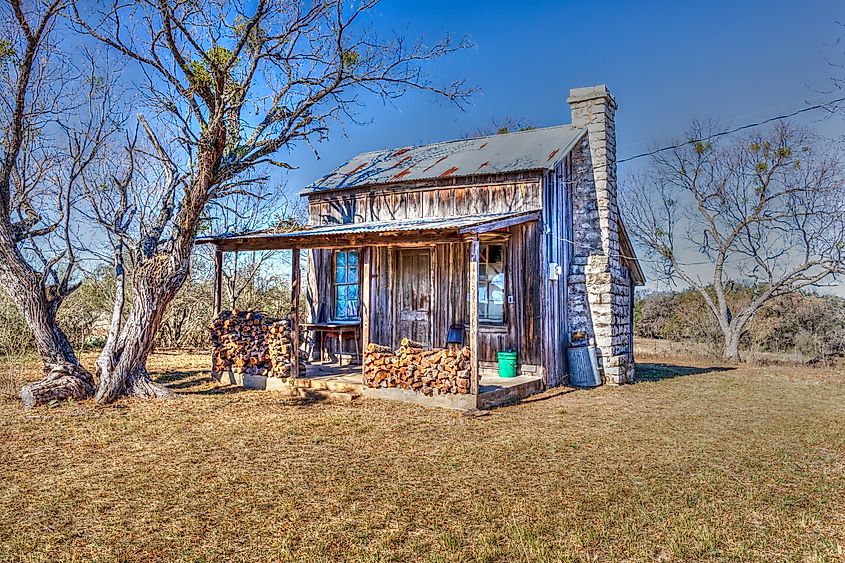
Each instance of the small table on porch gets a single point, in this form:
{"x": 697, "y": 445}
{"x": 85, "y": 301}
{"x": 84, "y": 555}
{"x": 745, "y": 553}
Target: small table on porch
{"x": 340, "y": 328}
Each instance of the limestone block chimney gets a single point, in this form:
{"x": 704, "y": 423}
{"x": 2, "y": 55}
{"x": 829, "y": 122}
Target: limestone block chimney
{"x": 607, "y": 285}
{"x": 595, "y": 109}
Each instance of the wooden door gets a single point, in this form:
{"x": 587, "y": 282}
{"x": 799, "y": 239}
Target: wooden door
{"x": 413, "y": 293}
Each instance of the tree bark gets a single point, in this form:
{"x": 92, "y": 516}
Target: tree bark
{"x": 63, "y": 377}
{"x": 731, "y": 351}
{"x": 157, "y": 278}
{"x": 62, "y": 381}
{"x": 104, "y": 360}
{"x": 124, "y": 373}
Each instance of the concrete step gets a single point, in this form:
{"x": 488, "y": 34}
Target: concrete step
{"x": 336, "y": 391}
{"x": 318, "y": 394}
{"x": 329, "y": 385}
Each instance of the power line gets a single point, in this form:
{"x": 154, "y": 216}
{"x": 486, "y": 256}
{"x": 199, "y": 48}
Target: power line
{"x": 732, "y": 131}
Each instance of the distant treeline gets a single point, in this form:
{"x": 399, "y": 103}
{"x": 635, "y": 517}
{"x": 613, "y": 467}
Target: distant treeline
{"x": 809, "y": 325}
{"x": 85, "y": 315}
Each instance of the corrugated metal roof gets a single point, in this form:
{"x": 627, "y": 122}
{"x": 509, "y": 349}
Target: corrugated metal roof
{"x": 534, "y": 149}
{"x": 440, "y": 224}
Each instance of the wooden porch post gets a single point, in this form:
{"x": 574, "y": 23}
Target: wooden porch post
{"x": 473, "y": 314}
{"x": 366, "y": 270}
{"x": 295, "y": 283}
{"x": 218, "y": 280}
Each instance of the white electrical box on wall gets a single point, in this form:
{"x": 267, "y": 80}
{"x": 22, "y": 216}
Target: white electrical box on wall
{"x": 554, "y": 270}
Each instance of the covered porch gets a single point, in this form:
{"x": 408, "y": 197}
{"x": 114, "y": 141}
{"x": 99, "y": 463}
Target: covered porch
{"x": 413, "y": 279}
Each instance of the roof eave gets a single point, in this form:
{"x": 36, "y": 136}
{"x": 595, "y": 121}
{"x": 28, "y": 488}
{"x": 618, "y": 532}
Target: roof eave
{"x": 399, "y": 183}
{"x": 630, "y": 256}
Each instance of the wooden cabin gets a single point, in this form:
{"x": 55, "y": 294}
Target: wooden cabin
{"x": 510, "y": 242}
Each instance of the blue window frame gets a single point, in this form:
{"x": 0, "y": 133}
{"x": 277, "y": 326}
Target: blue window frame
{"x": 345, "y": 286}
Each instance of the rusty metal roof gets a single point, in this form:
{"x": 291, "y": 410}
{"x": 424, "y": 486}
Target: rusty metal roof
{"x": 534, "y": 149}
{"x": 375, "y": 232}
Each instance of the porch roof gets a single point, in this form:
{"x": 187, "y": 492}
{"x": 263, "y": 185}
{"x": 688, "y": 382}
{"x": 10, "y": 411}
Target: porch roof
{"x": 375, "y": 233}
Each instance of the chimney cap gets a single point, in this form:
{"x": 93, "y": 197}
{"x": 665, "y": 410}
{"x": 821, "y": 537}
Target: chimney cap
{"x": 577, "y": 95}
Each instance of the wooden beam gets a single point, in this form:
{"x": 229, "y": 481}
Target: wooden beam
{"x": 501, "y": 223}
{"x": 338, "y": 242}
{"x": 474, "y": 251}
{"x": 366, "y": 312}
{"x": 295, "y": 283}
{"x": 218, "y": 281}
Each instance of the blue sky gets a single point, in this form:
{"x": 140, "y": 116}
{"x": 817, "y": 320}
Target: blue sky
{"x": 666, "y": 62}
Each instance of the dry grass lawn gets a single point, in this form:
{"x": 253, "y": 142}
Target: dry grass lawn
{"x": 690, "y": 464}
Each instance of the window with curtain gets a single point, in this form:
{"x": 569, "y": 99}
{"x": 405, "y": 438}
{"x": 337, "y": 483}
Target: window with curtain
{"x": 346, "y": 284}
{"x": 491, "y": 283}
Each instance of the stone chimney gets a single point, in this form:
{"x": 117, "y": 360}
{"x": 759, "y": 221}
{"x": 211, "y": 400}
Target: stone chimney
{"x": 594, "y": 108}
{"x": 605, "y": 286}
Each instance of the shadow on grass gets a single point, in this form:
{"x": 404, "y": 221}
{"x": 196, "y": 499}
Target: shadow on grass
{"x": 182, "y": 379}
{"x": 211, "y": 391}
{"x": 659, "y": 372}
{"x": 194, "y": 382}
{"x": 200, "y": 382}
{"x": 552, "y": 393}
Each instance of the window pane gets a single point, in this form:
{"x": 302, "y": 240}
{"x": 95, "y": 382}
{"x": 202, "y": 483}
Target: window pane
{"x": 352, "y": 301}
{"x": 491, "y": 286}
{"x": 495, "y": 312}
{"x": 340, "y": 302}
{"x": 340, "y": 267}
{"x": 494, "y": 254}
{"x": 352, "y": 258}
{"x": 496, "y": 295}
{"x": 352, "y": 273}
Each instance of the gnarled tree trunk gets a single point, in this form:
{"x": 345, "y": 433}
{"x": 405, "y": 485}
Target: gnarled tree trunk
{"x": 123, "y": 371}
{"x": 63, "y": 377}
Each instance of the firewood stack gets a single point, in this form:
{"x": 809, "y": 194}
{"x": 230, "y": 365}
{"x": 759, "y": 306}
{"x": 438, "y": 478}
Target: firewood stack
{"x": 413, "y": 367}
{"x": 280, "y": 347}
{"x": 251, "y": 343}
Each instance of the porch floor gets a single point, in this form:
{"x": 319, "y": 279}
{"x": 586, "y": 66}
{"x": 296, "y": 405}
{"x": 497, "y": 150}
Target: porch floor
{"x": 490, "y": 383}
{"x": 331, "y": 376}
{"x": 347, "y": 372}
{"x": 494, "y": 390}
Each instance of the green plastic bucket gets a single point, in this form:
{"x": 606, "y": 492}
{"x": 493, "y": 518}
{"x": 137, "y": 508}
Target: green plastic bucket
{"x": 507, "y": 364}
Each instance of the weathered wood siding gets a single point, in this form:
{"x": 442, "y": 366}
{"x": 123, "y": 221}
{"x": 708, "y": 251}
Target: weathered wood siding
{"x": 557, "y": 247}
{"x": 521, "y": 331}
{"x": 516, "y": 194}
{"x": 525, "y": 269}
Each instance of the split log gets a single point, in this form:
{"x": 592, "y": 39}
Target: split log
{"x": 412, "y": 366}
{"x": 408, "y": 343}
{"x": 252, "y": 343}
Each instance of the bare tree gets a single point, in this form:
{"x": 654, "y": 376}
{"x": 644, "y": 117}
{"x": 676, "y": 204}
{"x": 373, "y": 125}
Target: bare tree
{"x": 267, "y": 209}
{"x": 57, "y": 117}
{"x": 114, "y": 189}
{"x": 767, "y": 210}
{"x": 230, "y": 85}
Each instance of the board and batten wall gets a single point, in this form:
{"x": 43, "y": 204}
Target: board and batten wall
{"x": 525, "y": 268}
{"x": 511, "y": 193}
{"x": 557, "y": 248}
